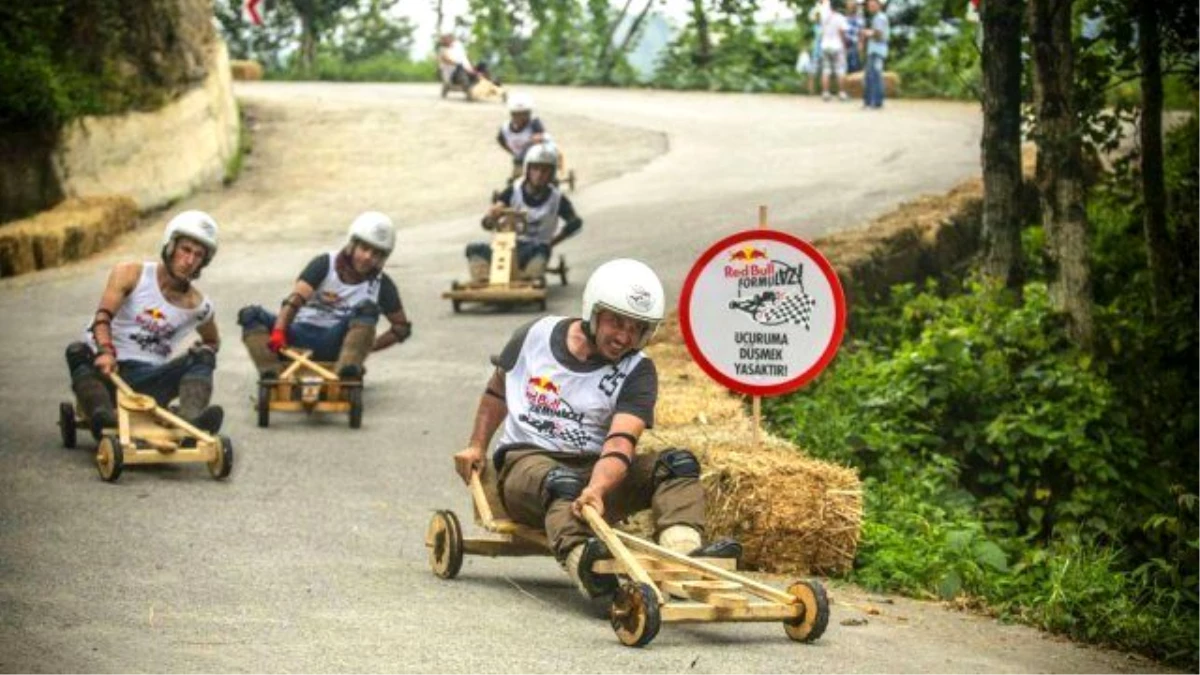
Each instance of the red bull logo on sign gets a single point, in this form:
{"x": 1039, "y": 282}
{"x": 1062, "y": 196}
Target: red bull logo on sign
{"x": 749, "y": 261}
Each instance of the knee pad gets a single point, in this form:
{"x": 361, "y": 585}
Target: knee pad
{"x": 366, "y": 311}
{"x": 479, "y": 250}
{"x": 676, "y": 463}
{"x": 562, "y": 483}
{"x": 202, "y": 357}
{"x": 79, "y": 356}
{"x": 253, "y": 316}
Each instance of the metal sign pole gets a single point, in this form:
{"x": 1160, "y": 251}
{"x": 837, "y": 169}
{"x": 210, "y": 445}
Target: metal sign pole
{"x": 756, "y": 400}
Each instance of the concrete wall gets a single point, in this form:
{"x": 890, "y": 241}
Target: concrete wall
{"x": 154, "y": 157}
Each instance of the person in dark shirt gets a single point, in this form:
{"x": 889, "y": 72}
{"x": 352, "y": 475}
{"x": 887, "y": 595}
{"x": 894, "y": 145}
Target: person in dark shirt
{"x": 574, "y": 396}
{"x": 543, "y": 204}
{"x": 334, "y": 306}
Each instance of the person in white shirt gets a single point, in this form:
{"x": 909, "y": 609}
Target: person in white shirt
{"x": 453, "y": 64}
{"x": 833, "y": 50}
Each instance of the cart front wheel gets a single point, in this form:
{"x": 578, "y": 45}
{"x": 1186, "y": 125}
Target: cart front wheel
{"x": 444, "y": 539}
{"x": 354, "y": 395}
{"x": 66, "y": 424}
{"x": 110, "y": 458}
{"x": 634, "y": 614}
{"x": 220, "y": 466}
{"x": 814, "y": 616}
{"x": 264, "y": 405}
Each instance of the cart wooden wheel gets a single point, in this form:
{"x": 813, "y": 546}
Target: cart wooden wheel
{"x": 220, "y": 466}
{"x": 541, "y": 305}
{"x": 445, "y": 544}
{"x": 812, "y": 622}
{"x": 562, "y": 270}
{"x": 634, "y": 614}
{"x": 354, "y": 395}
{"x": 66, "y": 424}
{"x": 110, "y": 458}
{"x": 264, "y": 405}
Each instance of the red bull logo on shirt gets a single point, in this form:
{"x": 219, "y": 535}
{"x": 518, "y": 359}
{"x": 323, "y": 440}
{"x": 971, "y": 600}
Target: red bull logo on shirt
{"x": 542, "y": 391}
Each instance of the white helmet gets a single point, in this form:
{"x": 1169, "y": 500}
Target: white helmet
{"x": 627, "y": 287}
{"x": 374, "y": 229}
{"x": 195, "y": 225}
{"x": 520, "y": 103}
{"x": 541, "y": 153}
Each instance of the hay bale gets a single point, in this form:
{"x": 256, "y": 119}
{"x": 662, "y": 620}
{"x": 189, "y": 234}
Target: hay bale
{"x": 854, "y": 84}
{"x": 246, "y": 70}
{"x": 793, "y": 514}
{"x": 74, "y": 229}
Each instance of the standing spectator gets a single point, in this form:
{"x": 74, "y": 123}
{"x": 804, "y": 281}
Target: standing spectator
{"x": 816, "y": 16}
{"x": 876, "y": 36}
{"x": 854, "y": 26}
{"x": 833, "y": 52}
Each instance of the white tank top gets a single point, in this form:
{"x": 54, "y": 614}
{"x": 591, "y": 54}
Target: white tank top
{"x": 333, "y": 300}
{"x": 517, "y": 141}
{"x": 147, "y": 327}
{"x": 542, "y": 220}
{"x": 555, "y": 408}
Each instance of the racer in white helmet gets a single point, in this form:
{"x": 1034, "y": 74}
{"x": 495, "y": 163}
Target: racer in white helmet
{"x": 147, "y": 312}
{"x": 544, "y": 205}
{"x": 574, "y": 396}
{"x": 335, "y": 305}
{"x": 521, "y": 132}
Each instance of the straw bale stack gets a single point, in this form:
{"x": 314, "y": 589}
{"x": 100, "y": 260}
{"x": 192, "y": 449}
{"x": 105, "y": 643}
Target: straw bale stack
{"x": 75, "y": 228}
{"x": 246, "y": 70}
{"x": 792, "y": 513}
{"x": 854, "y": 84}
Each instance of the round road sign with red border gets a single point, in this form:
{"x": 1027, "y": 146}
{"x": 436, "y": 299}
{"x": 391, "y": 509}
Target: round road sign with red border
{"x": 762, "y": 312}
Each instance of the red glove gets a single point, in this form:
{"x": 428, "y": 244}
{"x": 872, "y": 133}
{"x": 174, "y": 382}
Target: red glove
{"x": 278, "y": 340}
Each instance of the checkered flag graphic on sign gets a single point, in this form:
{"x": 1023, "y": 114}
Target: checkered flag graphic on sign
{"x": 796, "y": 308}
{"x": 576, "y": 437}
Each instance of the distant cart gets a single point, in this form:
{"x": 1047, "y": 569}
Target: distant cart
{"x": 655, "y": 585}
{"x": 504, "y": 286}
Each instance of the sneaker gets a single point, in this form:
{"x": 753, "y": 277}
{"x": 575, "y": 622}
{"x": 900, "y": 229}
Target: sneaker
{"x": 721, "y": 548}
{"x": 842, "y": 97}
{"x": 210, "y": 419}
{"x": 825, "y": 96}
{"x": 102, "y": 419}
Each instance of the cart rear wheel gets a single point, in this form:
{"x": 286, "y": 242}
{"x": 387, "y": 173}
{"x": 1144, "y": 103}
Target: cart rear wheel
{"x": 355, "y": 396}
{"x": 110, "y": 458}
{"x": 221, "y": 465}
{"x": 562, "y": 270}
{"x": 66, "y": 424}
{"x": 634, "y": 614}
{"x": 812, "y": 621}
{"x": 444, "y": 539}
{"x": 264, "y": 405}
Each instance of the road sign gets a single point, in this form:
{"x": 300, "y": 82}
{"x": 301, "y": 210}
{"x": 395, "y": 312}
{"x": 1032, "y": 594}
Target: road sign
{"x": 252, "y": 11}
{"x": 762, "y": 312}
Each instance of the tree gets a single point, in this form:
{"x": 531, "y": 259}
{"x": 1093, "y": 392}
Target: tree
{"x": 317, "y": 17}
{"x": 1060, "y": 164}
{"x": 703, "y": 53}
{"x": 370, "y": 30}
{"x": 1001, "y": 143}
{"x": 1154, "y": 195}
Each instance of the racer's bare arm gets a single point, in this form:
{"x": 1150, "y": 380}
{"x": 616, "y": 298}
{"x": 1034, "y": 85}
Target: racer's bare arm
{"x": 489, "y": 415}
{"x": 293, "y": 304}
{"x": 572, "y": 222}
{"x": 399, "y": 332}
{"x": 209, "y": 336}
{"x": 608, "y": 472}
{"x": 121, "y": 281}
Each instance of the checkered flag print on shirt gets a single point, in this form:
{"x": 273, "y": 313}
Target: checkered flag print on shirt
{"x": 575, "y": 437}
{"x": 796, "y": 308}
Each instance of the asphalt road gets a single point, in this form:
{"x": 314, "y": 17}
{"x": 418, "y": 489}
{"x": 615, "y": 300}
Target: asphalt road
{"x": 310, "y": 558}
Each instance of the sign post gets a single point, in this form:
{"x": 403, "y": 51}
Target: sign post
{"x": 762, "y": 312}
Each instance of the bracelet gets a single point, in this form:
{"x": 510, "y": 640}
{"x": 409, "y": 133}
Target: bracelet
{"x": 495, "y": 394}
{"x": 618, "y": 455}
{"x": 621, "y": 434}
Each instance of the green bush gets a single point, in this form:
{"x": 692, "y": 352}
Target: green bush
{"x": 381, "y": 68}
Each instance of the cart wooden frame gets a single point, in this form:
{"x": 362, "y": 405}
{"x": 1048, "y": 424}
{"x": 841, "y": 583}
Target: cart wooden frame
{"x": 657, "y": 584}
{"x": 502, "y": 286}
{"x": 147, "y": 433}
{"x": 308, "y": 386}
